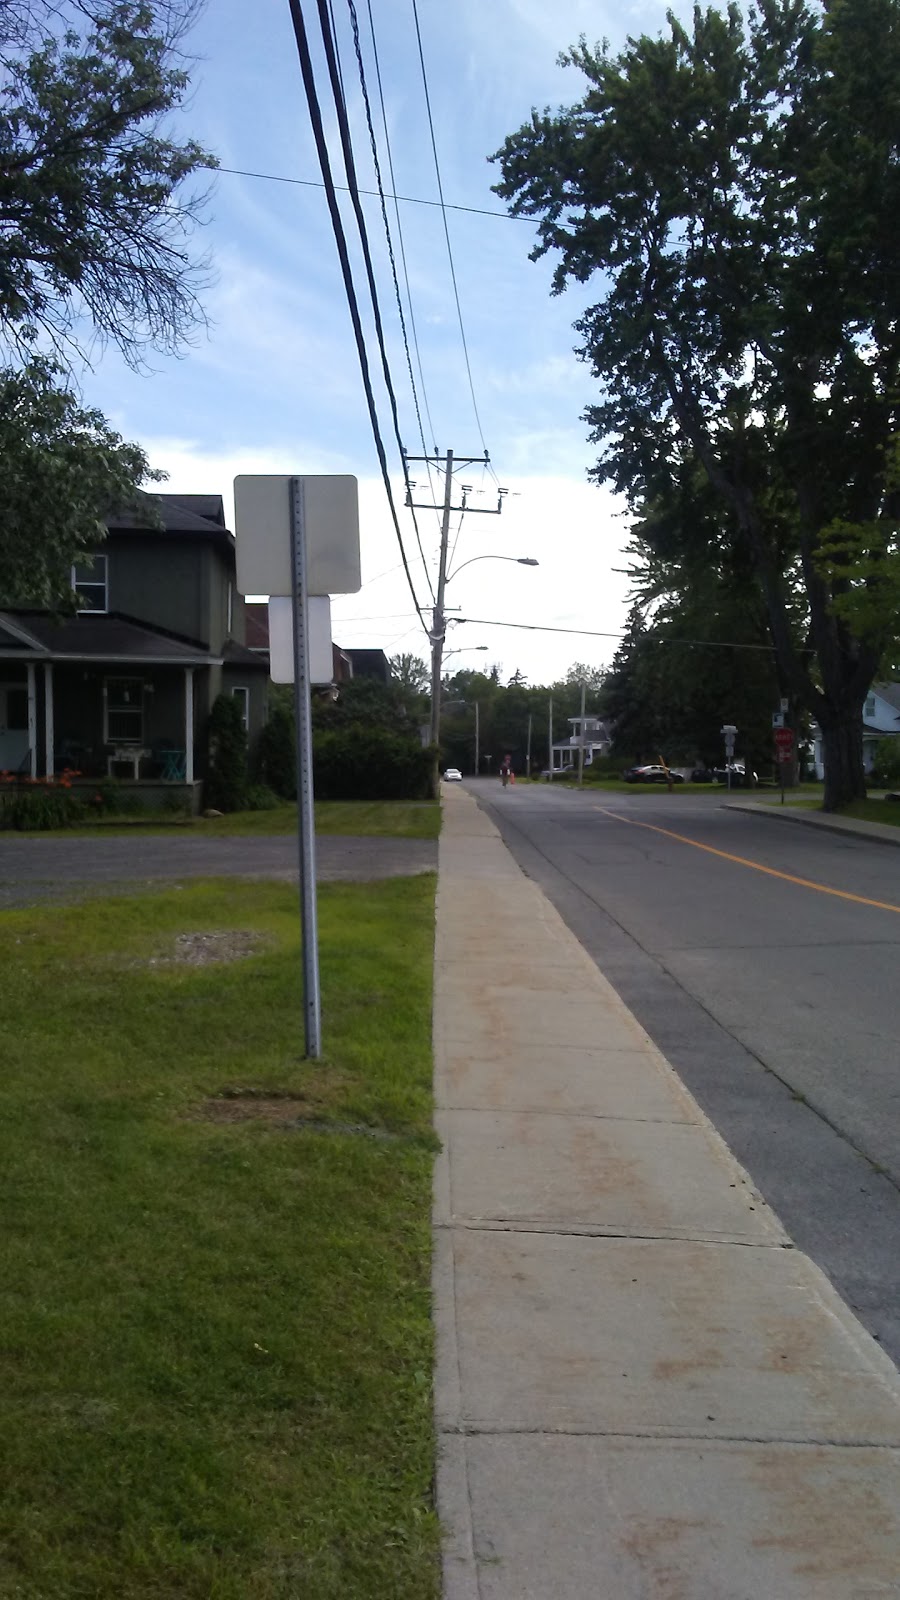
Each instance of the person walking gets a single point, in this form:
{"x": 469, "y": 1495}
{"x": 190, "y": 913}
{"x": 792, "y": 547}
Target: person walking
{"x": 506, "y": 770}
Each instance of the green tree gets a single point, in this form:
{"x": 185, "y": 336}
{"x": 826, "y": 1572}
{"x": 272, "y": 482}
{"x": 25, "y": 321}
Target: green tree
{"x": 63, "y": 467}
{"x": 580, "y": 673}
{"x": 95, "y": 221}
{"x": 734, "y": 190}
{"x": 411, "y": 673}
{"x": 227, "y": 783}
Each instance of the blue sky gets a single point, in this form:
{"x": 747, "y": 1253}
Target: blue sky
{"x": 274, "y": 385}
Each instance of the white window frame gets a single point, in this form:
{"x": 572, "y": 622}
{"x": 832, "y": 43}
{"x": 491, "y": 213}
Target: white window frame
{"x": 92, "y": 579}
{"x": 127, "y": 707}
{"x": 243, "y": 693}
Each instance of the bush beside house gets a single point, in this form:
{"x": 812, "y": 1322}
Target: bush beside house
{"x": 364, "y": 747}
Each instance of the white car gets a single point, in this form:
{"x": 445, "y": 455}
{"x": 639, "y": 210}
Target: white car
{"x": 452, "y": 775}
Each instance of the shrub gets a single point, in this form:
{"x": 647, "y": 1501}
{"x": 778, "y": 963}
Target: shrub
{"x": 40, "y": 807}
{"x": 886, "y": 762}
{"x": 259, "y": 797}
{"x": 358, "y": 763}
{"x": 227, "y": 783}
{"x": 276, "y": 756}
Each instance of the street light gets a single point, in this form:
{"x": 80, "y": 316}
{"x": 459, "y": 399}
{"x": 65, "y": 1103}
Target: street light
{"x": 522, "y": 561}
{"x": 462, "y": 650}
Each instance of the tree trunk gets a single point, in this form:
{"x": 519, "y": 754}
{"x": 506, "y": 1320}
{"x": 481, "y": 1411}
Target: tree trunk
{"x": 845, "y": 777}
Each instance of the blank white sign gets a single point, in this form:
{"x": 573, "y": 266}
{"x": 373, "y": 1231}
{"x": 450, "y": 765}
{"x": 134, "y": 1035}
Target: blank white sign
{"x": 262, "y": 531}
{"x": 281, "y": 639}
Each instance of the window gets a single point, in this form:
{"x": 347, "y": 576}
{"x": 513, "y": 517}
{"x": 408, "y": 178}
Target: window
{"x": 243, "y": 698}
{"x": 870, "y": 706}
{"x": 89, "y": 580}
{"x": 229, "y": 610}
{"x": 123, "y": 711}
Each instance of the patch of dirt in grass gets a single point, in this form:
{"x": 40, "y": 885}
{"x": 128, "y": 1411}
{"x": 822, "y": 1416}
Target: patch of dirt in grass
{"x": 282, "y": 1111}
{"x": 202, "y": 949}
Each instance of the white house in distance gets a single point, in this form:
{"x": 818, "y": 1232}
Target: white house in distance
{"x": 597, "y": 740}
{"x": 881, "y": 718}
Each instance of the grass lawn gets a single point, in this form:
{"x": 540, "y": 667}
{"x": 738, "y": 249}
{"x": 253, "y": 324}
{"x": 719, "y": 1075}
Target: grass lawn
{"x": 873, "y": 809}
{"x": 215, "y": 1321}
{"x": 398, "y": 819}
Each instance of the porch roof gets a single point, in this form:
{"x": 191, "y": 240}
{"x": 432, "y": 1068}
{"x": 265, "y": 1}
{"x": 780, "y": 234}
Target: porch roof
{"x": 37, "y": 635}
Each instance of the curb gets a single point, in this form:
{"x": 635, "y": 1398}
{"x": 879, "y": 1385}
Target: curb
{"x": 876, "y": 832}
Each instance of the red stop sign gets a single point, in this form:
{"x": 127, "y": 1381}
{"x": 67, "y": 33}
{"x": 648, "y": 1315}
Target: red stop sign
{"x": 784, "y": 743}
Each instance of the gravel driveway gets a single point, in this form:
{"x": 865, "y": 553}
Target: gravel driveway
{"x": 34, "y": 869}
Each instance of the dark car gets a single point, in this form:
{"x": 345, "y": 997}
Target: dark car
{"x": 654, "y": 773}
{"x": 703, "y": 775}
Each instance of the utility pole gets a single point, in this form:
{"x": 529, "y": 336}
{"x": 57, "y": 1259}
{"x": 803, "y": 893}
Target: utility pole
{"x": 438, "y": 619}
{"x": 550, "y": 740}
{"x": 528, "y": 750}
{"x": 581, "y": 740}
{"x": 477, "y": 737}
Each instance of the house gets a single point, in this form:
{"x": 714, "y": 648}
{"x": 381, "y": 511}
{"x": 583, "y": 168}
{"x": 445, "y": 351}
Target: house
{"x": 123, "y": 687}
{"x": 597, "y": 740}
{"x": 881, "y": 718}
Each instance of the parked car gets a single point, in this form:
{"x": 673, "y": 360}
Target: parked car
{"x": 703, "y": 775}
{"x": 654, "y": 773}
{"x": 452, "y": 775}
{"x": 738, "y": 772}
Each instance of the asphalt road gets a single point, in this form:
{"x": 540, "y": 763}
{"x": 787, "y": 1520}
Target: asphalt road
{"x": 777, "y": 1003}
{"x": 35, "y": 869}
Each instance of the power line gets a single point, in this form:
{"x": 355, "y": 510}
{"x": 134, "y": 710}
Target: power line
{"x": 315, "y": 113}
{"x": 390, "y": 247}
{"x": 334, "y": 72}
{"x": 409, "y": 299}
{"x": 437, "y": 171}
{"x": 407, "y": 199}
{"x": 594, "y": 633}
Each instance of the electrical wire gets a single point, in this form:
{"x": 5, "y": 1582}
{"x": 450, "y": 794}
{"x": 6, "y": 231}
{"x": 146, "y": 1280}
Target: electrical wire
{"x": 437, "y": 171}
{"x": 315, "y": 112}
{"x": 409, "y": 299}
{"x": 408, "y": 199}
{"x": 331, "y": 57}
{"x": 390, "y": 247}
{"x": 593, "y": 633}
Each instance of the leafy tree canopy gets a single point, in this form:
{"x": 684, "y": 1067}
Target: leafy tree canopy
{"x": 95, "y": 224}
{"x": 732, "y": 190}
{"x": 63, "y": 467}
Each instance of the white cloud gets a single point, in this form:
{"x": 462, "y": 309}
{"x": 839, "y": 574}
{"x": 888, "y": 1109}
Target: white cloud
{"x": 574, "y": 530}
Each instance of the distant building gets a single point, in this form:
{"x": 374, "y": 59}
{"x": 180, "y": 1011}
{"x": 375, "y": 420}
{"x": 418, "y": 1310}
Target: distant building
{"x": 881, "y": 720}
{"x": 597, "y": 740}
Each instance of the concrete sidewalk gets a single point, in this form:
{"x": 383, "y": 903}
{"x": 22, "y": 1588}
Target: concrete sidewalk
{"x": 643, "y": 1392}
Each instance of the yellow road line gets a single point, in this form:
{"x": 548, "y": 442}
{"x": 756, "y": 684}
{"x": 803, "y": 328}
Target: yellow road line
{"x": 742, "y": 861}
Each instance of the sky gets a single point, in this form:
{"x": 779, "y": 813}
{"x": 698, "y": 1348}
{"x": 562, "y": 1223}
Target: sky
{"x": 273, "y": 384}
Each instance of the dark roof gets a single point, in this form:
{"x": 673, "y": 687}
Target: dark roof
{"x": 889, "y": 692}
{"x": 368, "y": 663}
{"x": 256, "y": 624}
{"x": 210, "y": 506}
{"x": 112, "y": 637}
{"x": 176, "y": 514}
{"x": 239, "y": 655}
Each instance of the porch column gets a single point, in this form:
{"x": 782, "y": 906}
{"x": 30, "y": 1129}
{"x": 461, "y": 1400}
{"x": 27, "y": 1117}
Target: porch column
{"x": 188, "y": 724}
{"x": 32, "y": 721}
{"x": 48, "y": 720}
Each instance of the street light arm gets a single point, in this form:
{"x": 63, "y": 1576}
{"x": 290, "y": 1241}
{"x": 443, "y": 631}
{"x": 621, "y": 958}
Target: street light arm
{"x": 522, "y": 561}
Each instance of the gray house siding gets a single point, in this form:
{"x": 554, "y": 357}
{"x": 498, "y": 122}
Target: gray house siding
{"x": 160, "y": 582}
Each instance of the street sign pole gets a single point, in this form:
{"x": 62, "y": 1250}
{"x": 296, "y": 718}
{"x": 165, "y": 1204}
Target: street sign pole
{"x": 306, "y": 830}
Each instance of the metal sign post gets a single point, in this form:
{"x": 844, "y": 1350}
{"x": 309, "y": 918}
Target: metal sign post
{"x": 306, "y": 827}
